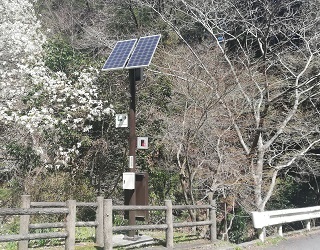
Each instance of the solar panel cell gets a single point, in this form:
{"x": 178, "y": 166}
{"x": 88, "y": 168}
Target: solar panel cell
{"x": 143, "y": 52}
{"x": 119, "y": 55}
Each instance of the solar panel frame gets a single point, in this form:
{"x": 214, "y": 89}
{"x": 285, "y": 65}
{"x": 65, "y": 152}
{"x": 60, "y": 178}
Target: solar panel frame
{"x": 120, "y": 54}
{"x": 143, "y": 52}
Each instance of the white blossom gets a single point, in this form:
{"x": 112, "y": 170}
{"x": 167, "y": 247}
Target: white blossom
{"x": 65, "y": 102}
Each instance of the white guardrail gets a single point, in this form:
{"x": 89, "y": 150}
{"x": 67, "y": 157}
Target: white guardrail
{"x": 280, "y": 217}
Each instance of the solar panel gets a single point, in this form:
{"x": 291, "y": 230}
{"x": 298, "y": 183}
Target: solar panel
{"x": 143, "y": 52}
{"x": 119, "y": 55}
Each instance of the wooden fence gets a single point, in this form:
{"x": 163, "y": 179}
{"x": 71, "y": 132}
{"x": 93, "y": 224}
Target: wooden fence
{"x": 168, "y": 226}
{"x": 103, "y": 224}
{"x": 68, "y": 208}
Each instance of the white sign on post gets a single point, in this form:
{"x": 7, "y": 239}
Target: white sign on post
{"x": 130, "y": 161}
{"x": 121, "y": 121}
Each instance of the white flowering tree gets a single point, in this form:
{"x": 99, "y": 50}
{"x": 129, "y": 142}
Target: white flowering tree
{"x": 52, "y": 111}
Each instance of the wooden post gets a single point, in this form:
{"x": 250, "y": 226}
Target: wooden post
{"x": 169, "y": 222}
{"x": 71, "y": 225}
{"x": 107, "y": 224}
{"x": 24, "y": 222}
{"x": 99, "y": 220}
{"x": 213, "y": 219}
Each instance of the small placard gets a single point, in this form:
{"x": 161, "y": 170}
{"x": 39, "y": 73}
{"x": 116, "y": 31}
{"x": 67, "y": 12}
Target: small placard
{"x": 130, "y": 161}
{"x": 142, "y": 142}
{"x": 121, "y": 120}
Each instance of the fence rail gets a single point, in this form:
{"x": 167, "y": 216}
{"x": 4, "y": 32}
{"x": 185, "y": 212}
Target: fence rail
{"x": 32, "y": 211}
{"x": 103, "y": 224}
{"x": 48, "y": 204}
{"x": 18, "y": 237}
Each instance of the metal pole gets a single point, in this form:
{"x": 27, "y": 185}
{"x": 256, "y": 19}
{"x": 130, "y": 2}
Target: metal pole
{"x": 132, "y": 145}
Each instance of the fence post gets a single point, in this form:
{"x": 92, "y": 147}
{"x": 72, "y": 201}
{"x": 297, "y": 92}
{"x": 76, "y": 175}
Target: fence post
{"x": 280, "y": 232}
{"x": 308, "y": 225}
{"x": 261, "y": 233}
{"x": 169, "y": 222}
{"x": 71, "y": 225}
{"x": 213, "y": 219}
{"x": 99, "y": 220}
{"x": 24, "y": 222}
{"x": 107, "y": 224}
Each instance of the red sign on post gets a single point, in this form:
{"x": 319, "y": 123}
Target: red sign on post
{"x": 142, "y": 142}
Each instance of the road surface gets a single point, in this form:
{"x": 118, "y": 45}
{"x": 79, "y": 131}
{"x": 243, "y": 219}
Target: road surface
{"x": 297, "y": 241}
{"x": 303, "y": 241}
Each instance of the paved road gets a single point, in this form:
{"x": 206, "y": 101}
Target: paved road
{"x": 310, "y": 241}
{"x": 297, "y": 241}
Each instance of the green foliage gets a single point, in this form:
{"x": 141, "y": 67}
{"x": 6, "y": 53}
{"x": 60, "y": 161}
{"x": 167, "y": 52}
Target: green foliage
{"x": 14, "y": 190}
{"x": 240, "y": 225}
{"x": 119, "y": 220}
{"x": 45, "y": 242}
{"x": 183, "y": 237}
{"x": 293, "y": 190}
{"x": 26, "y": 161}
{"x": 238, "y": 248}
{"x": 158, "y": 94}
{"x": 85, "y": 234}
{"x": 130, "y": 18}
{"x": 11, "y": 227}
{"x": 286, "y": 191}
{"x": 61, "y": 56}
{"x": 86, "y": 214}
{"x": 194, "y": 33}
{"x": 164, "y": 184}
{"x": 10, "y": 246}
{"x": 61, "y": 186}
{"x": 5, "y": 194}
{"x": 9, "y": 193}
{"x": 41, "y": 98}
{"x": 24, "y": 155}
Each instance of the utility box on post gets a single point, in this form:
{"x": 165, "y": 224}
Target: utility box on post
{"x": 142, "y": 196}
{"x": 129, "y": 180}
